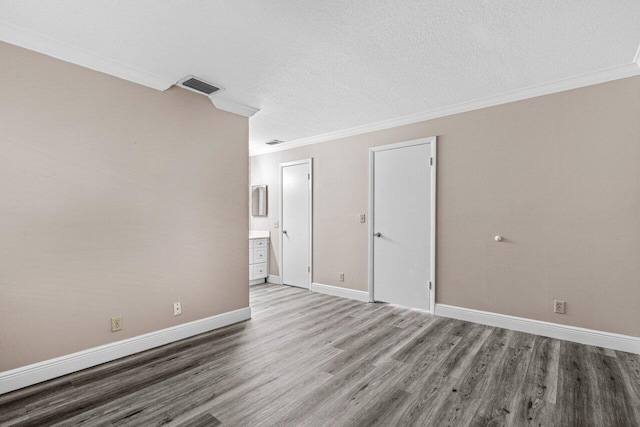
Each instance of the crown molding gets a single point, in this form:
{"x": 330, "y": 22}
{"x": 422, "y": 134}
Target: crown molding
{"x": 18, "y": 36}
{"x": 601, "y": 76}
{"x": 233, "y": 107}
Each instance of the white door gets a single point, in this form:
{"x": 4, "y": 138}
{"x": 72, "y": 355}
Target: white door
{"x": 402, "y": 223}
{"x": 295, "y": 223}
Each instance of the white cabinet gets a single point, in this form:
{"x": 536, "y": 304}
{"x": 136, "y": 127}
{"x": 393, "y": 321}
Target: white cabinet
{"x": 258, "y": 260}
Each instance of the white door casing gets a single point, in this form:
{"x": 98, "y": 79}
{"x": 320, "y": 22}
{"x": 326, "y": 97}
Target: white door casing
{"x": 402, "y": 223}
{"x": 296, "y": 186}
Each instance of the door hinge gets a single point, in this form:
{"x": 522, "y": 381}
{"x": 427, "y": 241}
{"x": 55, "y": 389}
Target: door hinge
{"x": 431, "y": 161}
{"x": 309, "y": 176}
{"x": 430, "y": 285}
{"x": 309, "y": 269}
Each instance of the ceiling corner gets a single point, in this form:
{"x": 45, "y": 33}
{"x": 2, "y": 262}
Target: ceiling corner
{"x": 18, "y": 36}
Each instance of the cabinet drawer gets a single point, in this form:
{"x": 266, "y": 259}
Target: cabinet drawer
{"x": 259, "y": 243}
{"x": 260, "y": 254}
{"x": 260, "y": 270}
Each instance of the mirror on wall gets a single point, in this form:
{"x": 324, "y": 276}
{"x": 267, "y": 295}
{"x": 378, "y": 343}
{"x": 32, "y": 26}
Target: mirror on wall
{"x": 259, "y": 200}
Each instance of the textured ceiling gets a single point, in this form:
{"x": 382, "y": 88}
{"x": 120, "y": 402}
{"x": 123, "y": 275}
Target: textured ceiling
{"x": 313, "y": 67}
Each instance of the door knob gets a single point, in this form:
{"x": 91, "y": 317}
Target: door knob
{"x": 377, "y": 234}
{"x": 284, "y": 231}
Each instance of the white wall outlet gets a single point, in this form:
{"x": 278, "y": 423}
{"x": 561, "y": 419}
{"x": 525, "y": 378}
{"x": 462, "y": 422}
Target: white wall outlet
{"x": 342, "y": 277}
{"x": 363, "y": 218}
{"x": 559, "y": 307}
{"x": 177, "y": 308}
{"x": 116, "y": 323}
{"x": 276, "y": 224}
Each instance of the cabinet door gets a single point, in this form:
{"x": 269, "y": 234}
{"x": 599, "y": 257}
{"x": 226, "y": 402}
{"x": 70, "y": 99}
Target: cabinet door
{"x": 260, "y": 255}
{"x": 259, "y": 243}
{"x": 260, "y": 270}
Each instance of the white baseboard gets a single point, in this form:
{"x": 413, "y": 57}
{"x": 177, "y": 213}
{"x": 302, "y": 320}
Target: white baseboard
{"x": 547, "y": 329}
{"x": 256, "y": 282}
{"x": 53, "y": 368}
{"x": 340, "y": 292}
{"x": 274, "y": 279}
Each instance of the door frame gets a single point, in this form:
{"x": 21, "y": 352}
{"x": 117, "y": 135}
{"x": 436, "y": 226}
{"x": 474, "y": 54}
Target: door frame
{"x": 281, "y": 166}
{"x": 432, "y": 140}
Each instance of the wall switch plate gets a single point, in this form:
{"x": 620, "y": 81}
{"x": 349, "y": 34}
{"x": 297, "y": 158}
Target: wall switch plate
{"x": 559, "y": 307}
{"x": 342, "y": 277}
{"x": 362, "y": 218}
{"x": 276, "y": 224}
{"x": 177, "y": 308}
{"x": 116, "y": 323}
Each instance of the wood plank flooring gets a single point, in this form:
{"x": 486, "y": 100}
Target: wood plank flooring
{"x": 307, "y": 359}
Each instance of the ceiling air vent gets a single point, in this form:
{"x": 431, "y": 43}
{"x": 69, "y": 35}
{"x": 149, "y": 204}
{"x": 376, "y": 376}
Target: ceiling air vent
{"x": 274, "y": 142}
{"x": 198, "y": 85}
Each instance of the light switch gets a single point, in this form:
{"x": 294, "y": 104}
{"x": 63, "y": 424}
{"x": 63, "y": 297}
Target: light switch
{"x": 276, "y": 224}
{"x": 362, "y": 218}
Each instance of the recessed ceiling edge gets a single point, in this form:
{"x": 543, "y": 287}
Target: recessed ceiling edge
{"x": 233, "y": 107}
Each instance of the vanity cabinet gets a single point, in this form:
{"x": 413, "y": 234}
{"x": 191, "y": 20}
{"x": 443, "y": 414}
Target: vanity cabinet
{"x": 258, "y": 260}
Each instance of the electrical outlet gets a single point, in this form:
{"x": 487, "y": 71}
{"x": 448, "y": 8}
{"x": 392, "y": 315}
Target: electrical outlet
{"x": 362, "y": 218}
{"x": 116, "y": 323}
{"x": 276, "y": 224}
{"x": 177, "y": 308}
{"x": 342, "y": 277}
{"x": 559, "y": 307}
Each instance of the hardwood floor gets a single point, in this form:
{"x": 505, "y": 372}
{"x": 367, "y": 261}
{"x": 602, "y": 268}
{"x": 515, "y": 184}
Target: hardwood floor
{"x": 311, "y": 359}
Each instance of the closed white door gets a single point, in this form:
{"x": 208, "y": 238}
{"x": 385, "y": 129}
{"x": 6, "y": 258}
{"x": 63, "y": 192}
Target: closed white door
{"x": 296, "y": 223}
{"x": 401, "y": 240}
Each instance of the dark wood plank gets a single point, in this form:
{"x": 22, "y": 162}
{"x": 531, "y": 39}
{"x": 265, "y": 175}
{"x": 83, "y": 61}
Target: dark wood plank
{"x": 576, "y": 387}
{"x": 506, "y": 378}
{"x": 614, "y": 403}
{"x": 202, "y": 420}
{"x": 466, "y": 397}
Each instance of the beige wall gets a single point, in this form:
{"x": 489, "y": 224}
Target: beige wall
{"x": 115, "y": 199}
{"x": 558, "y": 176}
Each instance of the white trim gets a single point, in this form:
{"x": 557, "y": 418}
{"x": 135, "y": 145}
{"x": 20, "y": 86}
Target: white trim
{"x": 274, "y": 279}
{"x": 547, "y": 329}
{"x": 601, "y": 76}
{"x": 232, "y": 106}
{"x": 308, "y": 162}
{"x": 53, "y": 368}
{"x": 256, "y": 282}
{"x": 636, "y": 58}
{"x": 432, "y": 243}
{"x": 340, "y": 292}
{"x": 37, "y": 42}
{"x": 403, "y": 144}
{"x": 370, "y": 230}
{"x": 432, "y": 141}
